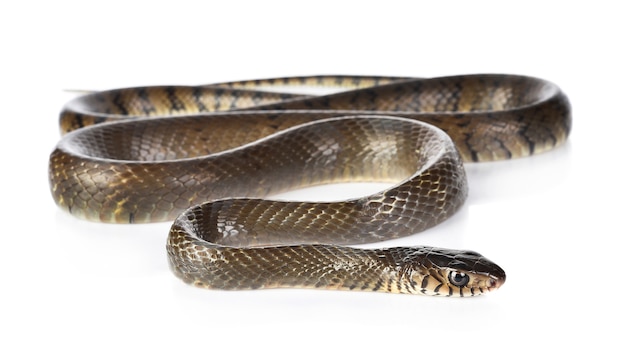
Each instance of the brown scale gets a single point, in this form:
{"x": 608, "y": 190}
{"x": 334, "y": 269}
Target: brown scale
{"x": 210, "y": 171}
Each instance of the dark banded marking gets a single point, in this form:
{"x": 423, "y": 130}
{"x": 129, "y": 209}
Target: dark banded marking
{"x": 235, "y": 98}
{"x": 507, "y": 151}
{"x": 257, "y": 98}
{"x": 464, "y": 124}
{"x": 198, "y": 95}
{"x": 425, "y": 282}
{"x": 78, "y": 121}
{"x": 529, "y": 142}
{"x": 285, "y": 96}
{"x": 456, "y": 95}
{"x": 176, "y": 104}
{"x": 99, "y": 119}
{"x": 399, "y": 284}
{"x": 378, "y": 285}
{"x": 119, "y": 102}
{"x": 473, "y": 153}
{"x": 145, "y": 102}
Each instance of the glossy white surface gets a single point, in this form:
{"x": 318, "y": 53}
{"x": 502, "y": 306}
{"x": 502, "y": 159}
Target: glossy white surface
{"x": 554, "y": 222}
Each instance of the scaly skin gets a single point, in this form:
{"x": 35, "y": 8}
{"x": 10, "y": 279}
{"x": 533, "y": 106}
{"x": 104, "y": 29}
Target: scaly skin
{"x": 209, "y": 171}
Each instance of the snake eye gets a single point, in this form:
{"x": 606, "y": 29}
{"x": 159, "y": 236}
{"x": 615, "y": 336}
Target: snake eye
{"x": 458, "y": 279}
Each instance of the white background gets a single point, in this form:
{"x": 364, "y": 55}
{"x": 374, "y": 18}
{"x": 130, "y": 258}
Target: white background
{"x": 553, "y": 222}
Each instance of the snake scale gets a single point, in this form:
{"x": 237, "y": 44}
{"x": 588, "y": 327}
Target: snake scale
{"x": 206, "y": 156}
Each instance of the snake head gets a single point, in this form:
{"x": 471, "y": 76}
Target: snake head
{"x": 444, "y": 272}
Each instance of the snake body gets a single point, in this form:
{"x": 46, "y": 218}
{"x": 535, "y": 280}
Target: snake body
{"x": 207, "y": 155}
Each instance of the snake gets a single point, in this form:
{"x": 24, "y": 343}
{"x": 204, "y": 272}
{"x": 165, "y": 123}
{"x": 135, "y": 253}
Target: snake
{"x": 210, "y": 157}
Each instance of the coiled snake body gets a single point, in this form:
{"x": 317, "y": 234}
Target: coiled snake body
{"x": 209, "y": 171}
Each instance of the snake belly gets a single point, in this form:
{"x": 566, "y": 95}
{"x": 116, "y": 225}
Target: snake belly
{"x": 206, "y": 156}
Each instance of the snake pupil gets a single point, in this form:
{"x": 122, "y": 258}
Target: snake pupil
{"x": 458, "y": 279}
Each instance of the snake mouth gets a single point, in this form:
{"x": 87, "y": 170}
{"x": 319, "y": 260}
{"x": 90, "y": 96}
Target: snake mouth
{"x": 495, "y": 282}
